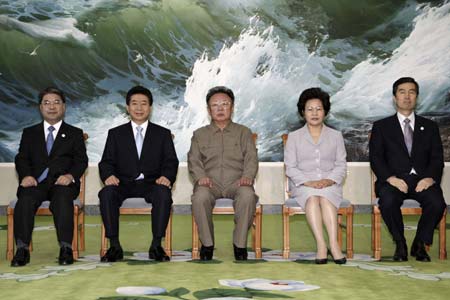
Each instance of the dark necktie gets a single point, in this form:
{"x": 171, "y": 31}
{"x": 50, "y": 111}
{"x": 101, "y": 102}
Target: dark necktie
{"x": 50, "y": 141}
{"x": 408, "y": 134}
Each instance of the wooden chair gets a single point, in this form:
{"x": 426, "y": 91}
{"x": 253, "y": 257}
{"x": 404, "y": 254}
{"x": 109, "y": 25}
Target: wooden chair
{"x": 408, "y": 208}
{"x": 291, "y": 208}
{"x": 138, "y": 206}
{"x": 78, "y": 242}
{"x": 224, "y": 206}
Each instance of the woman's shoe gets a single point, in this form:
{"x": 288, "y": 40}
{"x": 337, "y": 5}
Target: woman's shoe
{"x": 321, "y": 261}
{"x": 340, "y": 261}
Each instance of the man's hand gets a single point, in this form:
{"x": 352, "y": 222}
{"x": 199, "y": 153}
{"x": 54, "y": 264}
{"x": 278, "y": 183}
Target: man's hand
{"x": 163, "y": 181}
{"x": 112, "y": 180}
{"x": 205, "y": 181}
{"x": 400, "y": 184}
{"x": 424, "y": 184}
{"x": 244, "y": 181}
{"x": 64, "y": 180}
{"x": 28, "y": 181}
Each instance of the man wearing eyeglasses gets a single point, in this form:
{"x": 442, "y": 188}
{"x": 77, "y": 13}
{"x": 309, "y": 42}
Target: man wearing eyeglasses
{"x": 51, "y": 159}
{"x": 223, "y": 162}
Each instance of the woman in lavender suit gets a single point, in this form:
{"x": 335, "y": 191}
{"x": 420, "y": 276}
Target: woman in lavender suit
{"x": 315, "y": 160}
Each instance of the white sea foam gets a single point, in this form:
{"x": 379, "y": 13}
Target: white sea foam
{"x": 59, "y": 29}
{"x": 424, "y": 55}
{"x": 266, "y": 76}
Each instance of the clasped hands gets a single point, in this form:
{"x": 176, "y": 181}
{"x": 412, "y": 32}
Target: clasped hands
{"x": 29, "y": 181}
{"x": 401, "y": 185}
{"x": 113, "y": 180}
{"x": 243, "y": 181}
{"x": 319, "y": 184}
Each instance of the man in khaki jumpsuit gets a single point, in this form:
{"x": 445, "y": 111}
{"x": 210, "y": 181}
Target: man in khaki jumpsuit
{"x": 223, "y": 163}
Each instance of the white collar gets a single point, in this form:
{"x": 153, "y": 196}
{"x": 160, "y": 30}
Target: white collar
{"x": 56, "y": 126}
{"x": 411, "y": 117}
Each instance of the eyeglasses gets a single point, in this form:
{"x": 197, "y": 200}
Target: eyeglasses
{"x": 224, "y": 104}
{"x": 48, "y": 103}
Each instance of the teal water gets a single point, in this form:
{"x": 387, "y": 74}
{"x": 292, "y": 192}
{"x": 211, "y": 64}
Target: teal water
{"x": 266, "y": 51}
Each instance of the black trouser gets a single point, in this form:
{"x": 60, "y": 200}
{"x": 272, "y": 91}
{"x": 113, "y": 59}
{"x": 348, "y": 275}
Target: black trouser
{"x": 111, "y": 198}
{"x": 431, "y": 200}
{"x": 61, "y": 205}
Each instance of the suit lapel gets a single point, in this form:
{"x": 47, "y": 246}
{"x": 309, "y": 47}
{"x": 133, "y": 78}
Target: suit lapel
{"x": 147, "y": 139}
{"x": 129, "y": 140}
{"x": 60, "y": 137}
{"x": 417, "y": 135}
{"x": 40, "y": 140}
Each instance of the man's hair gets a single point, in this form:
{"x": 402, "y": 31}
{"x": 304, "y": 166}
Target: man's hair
{"x": 139, "y": 90}
{"x": 51, "y": 90}
{"x": 404, "y": 80}
{"x": 313, "y": 93}
{"x": 220, "y": 90}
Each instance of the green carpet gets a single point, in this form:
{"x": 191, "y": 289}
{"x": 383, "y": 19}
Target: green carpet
{"x": 197, "y": 280}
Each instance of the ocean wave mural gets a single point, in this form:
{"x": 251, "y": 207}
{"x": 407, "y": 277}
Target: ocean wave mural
{"x": 266, "y": 51}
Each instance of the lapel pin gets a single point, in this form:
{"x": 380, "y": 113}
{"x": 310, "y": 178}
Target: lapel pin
{"x": 421, "y": 128}
{"x": 64, "y": 135}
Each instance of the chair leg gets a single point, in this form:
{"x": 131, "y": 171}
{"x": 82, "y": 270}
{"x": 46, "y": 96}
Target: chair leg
{"x": 286, "y": 245}
{"x": 195, "y": 241}
{"x": 339, "y": 233}
{"x": 75, "y": 233}
{"x": 10, "y": 238}
{"x": 81, "y": 229}
{"x": 349, "y": 232}
{"x": 104, "y": 242}
{"x": 168, "y": 238}
{"x": 442, "y": 237}
{"x": 258, "y": 233}
{"x": 377, "y": 234}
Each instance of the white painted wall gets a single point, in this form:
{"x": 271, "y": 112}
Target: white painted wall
{"x": 269, "y": 183}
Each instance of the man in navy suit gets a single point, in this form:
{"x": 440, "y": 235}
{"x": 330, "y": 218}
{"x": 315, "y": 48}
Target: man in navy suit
{"x": 51, "y": 159}
{"x": 406, "y": 156}
{"x": 139, "y": 160}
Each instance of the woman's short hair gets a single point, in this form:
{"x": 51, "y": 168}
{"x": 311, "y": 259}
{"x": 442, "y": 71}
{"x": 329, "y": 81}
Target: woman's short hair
{"x": 313, "y": 93}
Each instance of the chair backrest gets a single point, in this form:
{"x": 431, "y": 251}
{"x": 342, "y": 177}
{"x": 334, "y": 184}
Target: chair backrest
{"x": 373, "y": 178}
{"x": 82, "y": 194}
{"x": 287, "y": 195}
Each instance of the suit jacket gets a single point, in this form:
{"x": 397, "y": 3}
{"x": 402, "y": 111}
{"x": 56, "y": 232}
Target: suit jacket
{"x": 389, "y": 156}
{"x": 120, "y": 157}
{"x": 68, "y": 154}
{"x": 307, "y": 161}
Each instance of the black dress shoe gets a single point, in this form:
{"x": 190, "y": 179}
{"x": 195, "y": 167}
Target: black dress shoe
{"x": 240, "y": 253}
{"x": 321, "y": 261}
{"x": 401, "y": 252}
{"x": 21, "y": 258}
{"x": 418, "y": 250}
{"x": 158, "y": 254}
{"x": 206, "y": 252}
{"x": 65, "y": 256}
{"x": 113, "y": 254}
{"x": 340, "y": 261}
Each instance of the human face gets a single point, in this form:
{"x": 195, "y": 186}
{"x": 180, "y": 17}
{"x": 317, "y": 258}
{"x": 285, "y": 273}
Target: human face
{"x": 405, "y": 98}
{"x": 52, "y": 108}
{"x": 220, "y": 108}
{"x": 314, "y": 112}
{"x": 139, "y": 108}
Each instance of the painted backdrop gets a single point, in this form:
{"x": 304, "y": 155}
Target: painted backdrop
{"x": 266, "y": 51}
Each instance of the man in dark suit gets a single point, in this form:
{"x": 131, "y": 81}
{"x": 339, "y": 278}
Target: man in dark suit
{"x": 139, "y": 160}
{"x": 51, "y": 159}
{"x": 406, "y": 156}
